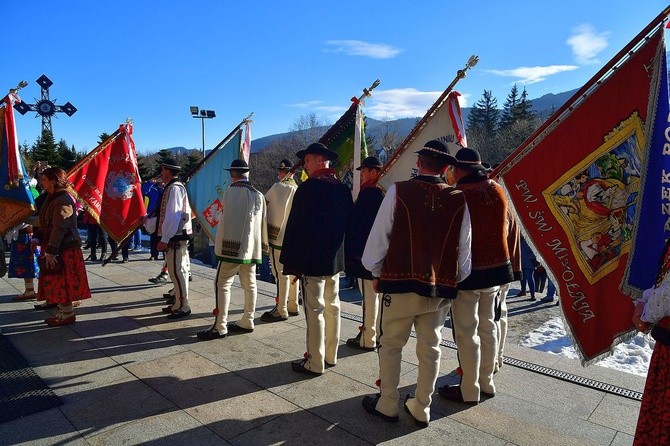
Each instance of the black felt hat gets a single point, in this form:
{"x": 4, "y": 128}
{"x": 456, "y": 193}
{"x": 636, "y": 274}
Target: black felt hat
{"x": 434, "y": 148}
{"x": 317, "y": 148}
{"x": 285, "y": 165}
{"x": 171, "y": 164}
{"x": 467, "y": 159}
{"x": 371, "y": 162}
{"x": 239, "y": 166}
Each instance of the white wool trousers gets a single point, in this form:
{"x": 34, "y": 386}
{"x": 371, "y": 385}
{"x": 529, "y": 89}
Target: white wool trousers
{"x": 476, "y": 335}
{"x": 322, "y": 312}
{"x": 177, "y": 262}
{"x": 370, "y": 313}
{"x": 501, "y": 325}
{"x": 399, "y": 312}
{"x": 225, "y": 276}
{"x": 287, "y": 292}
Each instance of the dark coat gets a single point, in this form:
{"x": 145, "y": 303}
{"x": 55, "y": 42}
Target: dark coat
{"x": 365, "y": 210}
{"x": 314, "y": 237}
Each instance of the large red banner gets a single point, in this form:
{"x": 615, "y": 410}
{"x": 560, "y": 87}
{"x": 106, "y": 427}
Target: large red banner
{"x": 107, "y": 183}
{"x": 575, "y": 188}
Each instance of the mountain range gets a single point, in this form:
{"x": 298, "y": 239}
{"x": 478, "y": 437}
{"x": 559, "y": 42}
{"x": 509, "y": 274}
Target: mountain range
{"x": 544, "y": 106}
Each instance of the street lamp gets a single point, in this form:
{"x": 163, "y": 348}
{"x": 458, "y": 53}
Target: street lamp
{"x": 202, "y": 115}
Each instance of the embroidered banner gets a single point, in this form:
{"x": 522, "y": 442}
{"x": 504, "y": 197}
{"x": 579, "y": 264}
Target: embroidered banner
{"x": 445, "y": 124}
{"x": 575, "y": 186}
{"x": 107, "y": 183}
{"x": 207, "y": 183}
{"x": 16, "y": 199}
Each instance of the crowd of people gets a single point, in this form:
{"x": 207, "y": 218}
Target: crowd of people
{"x": 411, "y": 272}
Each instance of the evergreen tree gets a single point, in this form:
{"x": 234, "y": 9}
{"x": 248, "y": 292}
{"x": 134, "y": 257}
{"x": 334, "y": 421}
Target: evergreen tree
{"x": 191, "y": 161}
{"x": 143, "y": 168}
{"x": 482, "y": 124}
{"x": 45, "y": 149}
{"x": 67, "y": 155}
{"x": 510, "y": 108}
{"x": 103, "y": 137}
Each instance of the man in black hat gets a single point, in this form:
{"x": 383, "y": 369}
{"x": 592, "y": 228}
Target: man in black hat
{"x": 174, "y": 230}
{"x": 241, "y": 240}
{"x": 313, "y": 249}
{"x": 473, "y": 312}
{"x": 418, "y": 250}
{"x": 279, "y": 200}
{"x": 365, "y": 210}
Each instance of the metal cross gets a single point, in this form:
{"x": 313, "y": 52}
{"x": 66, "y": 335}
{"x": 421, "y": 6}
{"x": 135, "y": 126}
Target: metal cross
{"x": 45, "y": 107}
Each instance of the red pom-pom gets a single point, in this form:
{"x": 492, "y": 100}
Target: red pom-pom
{"x": 459, "y": 371}
{"x": 361, "y": 328}
{"x": 307, "y": 356}
{"x": 276, "y": 299}
{"x": 215, "y": 312}
{"x": 378, "y": 383}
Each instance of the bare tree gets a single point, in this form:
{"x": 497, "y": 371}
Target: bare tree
{"x": 389, "y": 137}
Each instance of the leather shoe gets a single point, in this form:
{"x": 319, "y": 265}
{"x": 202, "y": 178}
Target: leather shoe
{"x": 178, "y": 314}
{"x": 453, "y": 393}
{"x": 370, "y": 406}
{"x": 272, "y": 316}
{"x": 28, "y": 295}
{"x": 237, "y": 329}
{"x": 299, "y": 366}
{"x": 294, "y": 313}
{"x": 356, "y": 343}
{"x": 418, "y": 423}
{"x": 45, "y": 306}
{"x": 58, "y": 322}
{"x": 167, "y": 309}
{"x": 171, "y": 300}
{"x": 168, "y": 296}
{"x": 208, "y": 335}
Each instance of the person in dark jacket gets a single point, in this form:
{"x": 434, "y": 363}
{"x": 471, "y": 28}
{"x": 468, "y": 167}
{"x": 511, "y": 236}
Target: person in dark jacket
{"x": 313, "y": 250}
{"x": 365, "y": 210}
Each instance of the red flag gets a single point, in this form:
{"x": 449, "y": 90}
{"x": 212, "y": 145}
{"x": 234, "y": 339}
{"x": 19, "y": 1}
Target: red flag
{"x": 575, "y": 186}
{"x": 108, "y": 184}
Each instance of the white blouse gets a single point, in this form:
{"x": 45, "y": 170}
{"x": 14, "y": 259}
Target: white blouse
{"x": 656, "y": 301}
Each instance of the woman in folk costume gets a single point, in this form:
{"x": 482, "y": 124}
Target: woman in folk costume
{"x": 60, "y": 243}
{"x": 652, "y": 312}
{"x": 22, "y": 260}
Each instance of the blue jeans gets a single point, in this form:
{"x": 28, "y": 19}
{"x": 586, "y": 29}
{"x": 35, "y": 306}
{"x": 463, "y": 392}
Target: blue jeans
{"x": 551, "y": 290}
{"x": 527, "y": 277}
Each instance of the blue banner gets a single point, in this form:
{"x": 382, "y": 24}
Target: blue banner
{"x": 206, "y": 186}
{"x": 653, "y": 220}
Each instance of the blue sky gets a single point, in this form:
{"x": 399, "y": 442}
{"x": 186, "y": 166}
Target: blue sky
{"x": 151, "y": 60}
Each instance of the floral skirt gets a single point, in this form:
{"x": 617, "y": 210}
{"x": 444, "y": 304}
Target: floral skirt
{"x": 653, "y": 424}
{"x": 70, "y": 284}
{"x": 22, "y": 261}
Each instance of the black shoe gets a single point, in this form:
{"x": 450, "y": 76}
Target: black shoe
{"x": 547, "y": 299}
{"x": 45, "y": 306}
{"x": 167, "y": 309}
{"x": 125, "y": 260}
{"x": 160, "y": 279}
{"x": 178, "y": 314}
{"x": 233, "y": 327}
{"x": 273, "y": 316}
{"x": 370, "y": 406}
{"x": 453, "y": 393}
{"x": 168, "y": 296}
{"x": 418, "y": 423}
{"x": 171, "y": 300}
{"x": 208, "y": 335}
{"x": 294, "y": 313}
{"x": 190, "y": 277}
{"x": 299, "y": 366}
{"x": 356, "y": 343}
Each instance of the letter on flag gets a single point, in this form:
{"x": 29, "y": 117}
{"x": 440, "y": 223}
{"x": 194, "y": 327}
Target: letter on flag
{"x": 16, "y": 200}
{"x": 444, "y": 122}
{"x": 107, "y": 183}
{"x": 208, "y": 181}
{"x": 576, "y": 187}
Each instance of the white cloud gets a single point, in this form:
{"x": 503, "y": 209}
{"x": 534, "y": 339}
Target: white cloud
{"x": 360, "y": 48}
{"x": 531, "y": 75}
{"x": 317, "y": 106}
{"x": 586, "y": 44}
{"x": 400, "y": 103}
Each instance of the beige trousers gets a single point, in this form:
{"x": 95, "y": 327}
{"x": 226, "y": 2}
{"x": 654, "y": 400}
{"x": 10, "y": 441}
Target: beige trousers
{"x": 475, "y": 332}
{"x": 225, "y": 276}
{"x": 501, "y": 326}
{"x": 287, "y": 292}
{"x": 370, "y": 313}
{"x": 177, "y": 263}
{"x": 398, "y": 313}
{"x": 322, "y": 313}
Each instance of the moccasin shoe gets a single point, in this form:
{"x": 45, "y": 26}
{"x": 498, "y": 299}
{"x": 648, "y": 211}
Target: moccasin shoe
{"x": 453, "y": 393}
{"x": 167, "y": 309}
{"x": 60, "y": 321}
{"x": 233, "y": 327}
{"x": 370, "y": 406}
{"x": 356, "y": 343}
{"x": 28, "y": 295}
{"x": 418, "y": 423}
{"x": 273, "y": 316}
{"x": 294, "y": 313}
{"x": 178, "y": 314}
{"x": 160, "y": 279}
{"x": 208, "y": 335}
{"x": 45, "y": 306}
{"x": 299, "y": 366}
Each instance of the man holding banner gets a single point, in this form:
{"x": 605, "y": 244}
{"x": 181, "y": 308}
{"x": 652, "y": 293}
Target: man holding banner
{"x": 174, "y": 229}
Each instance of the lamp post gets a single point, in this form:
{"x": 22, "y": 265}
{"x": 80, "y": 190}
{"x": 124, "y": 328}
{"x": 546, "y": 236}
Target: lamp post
{"x": 202, "y": 115}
